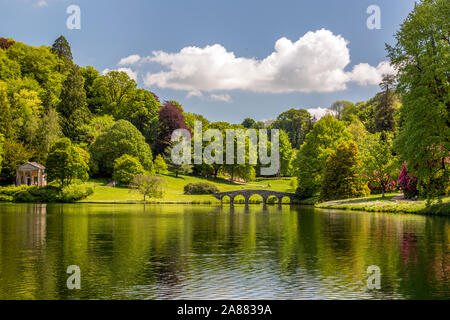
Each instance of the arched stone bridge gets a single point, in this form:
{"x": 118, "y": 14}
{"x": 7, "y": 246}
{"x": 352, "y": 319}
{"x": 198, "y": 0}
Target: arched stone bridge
{"x": 247, "y": 193}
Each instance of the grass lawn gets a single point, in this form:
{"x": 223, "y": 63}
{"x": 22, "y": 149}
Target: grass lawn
{"x": 376, "y": 203}
{"x": 175, "y": 187}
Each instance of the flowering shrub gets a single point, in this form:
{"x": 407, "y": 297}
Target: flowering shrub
{"x": 381, "y": 182}
{"x": 407, "y": 184}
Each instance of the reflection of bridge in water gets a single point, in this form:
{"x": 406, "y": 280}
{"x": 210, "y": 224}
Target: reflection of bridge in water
{"x": 246, "y": 193}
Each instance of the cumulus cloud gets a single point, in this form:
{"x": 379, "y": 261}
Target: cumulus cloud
{"x": 132, "y": 74}
{"x": 319, "y": 112}
{"x": 365, "y": 74}
{"x": 313, "y": 63}
{"x": 130, "y": 60}
{"x": 220, "y": 97}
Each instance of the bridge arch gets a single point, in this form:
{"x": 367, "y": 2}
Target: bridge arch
{"x": 247, "y": 193}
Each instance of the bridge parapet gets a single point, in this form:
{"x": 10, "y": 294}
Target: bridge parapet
{"x": 247, "y": 193}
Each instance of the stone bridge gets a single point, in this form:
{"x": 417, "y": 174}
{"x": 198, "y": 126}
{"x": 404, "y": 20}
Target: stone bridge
{"x": 247, "y": 193}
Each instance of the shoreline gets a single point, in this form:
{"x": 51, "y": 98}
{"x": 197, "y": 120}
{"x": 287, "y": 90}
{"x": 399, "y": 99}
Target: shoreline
{"x": 368, "y": 204}
{"x": 389, "y": 204}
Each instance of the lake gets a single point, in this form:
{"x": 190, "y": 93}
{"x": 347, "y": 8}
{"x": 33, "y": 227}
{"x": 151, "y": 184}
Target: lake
{"x": 202, "y": 252}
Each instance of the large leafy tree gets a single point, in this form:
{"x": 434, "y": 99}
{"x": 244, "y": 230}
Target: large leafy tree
{"x": 191, "y": 118}
{"x": 67, "y": 162}
{"x": 286, "y": 155}
{"x": 149, "y": 186}
{"x": 160, "y": 165}
{"x": 1, "y": 150}
{"x": 14, "y": 154}
{"x": 93, "y": 97}
{"x": 126, "y": 168}
{"x": 378, "y": 162}
{"x": 73, "y": 105}
{"x": 341, "y": 179}
{"x": 41, "y": 65}
{"x": 356, "y": 129}
{"x": 248, "y": 123}
{"x": 296, "y": 123}
{"x": 90, "y": 131}
{"x": 49, "y": 132}
{"x": 6, "y": 112}
{"x": 9, "y": 68}
{"x": 171, "y": 117}
{"x": 28, "y": 109}
{"x": 421, "y": 56}
{"x": 114, "y": 90}
{"x": 341, "y": 108}
{"x": 309, "y": 164}
{"x": 142, "y": 111}
{"x": 121, "y": 138}
{"x": 173, "y": 167}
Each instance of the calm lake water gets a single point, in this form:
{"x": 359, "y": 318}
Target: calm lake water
{"x": 196, "y": 252}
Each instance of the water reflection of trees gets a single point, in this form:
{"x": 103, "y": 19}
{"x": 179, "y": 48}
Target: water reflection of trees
{"x": 126, "y": 252}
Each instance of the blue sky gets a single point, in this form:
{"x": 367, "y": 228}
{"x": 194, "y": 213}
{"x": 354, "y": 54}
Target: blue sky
{"x": 224, "y": 59}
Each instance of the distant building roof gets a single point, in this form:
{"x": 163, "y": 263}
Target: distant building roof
{"x": 34, "y": 164}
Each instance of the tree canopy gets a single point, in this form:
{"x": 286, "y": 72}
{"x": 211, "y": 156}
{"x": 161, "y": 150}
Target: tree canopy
{"x": 323, "y": 139}
{"x": 121, "y": 138}
{"x": 421, "y": 57}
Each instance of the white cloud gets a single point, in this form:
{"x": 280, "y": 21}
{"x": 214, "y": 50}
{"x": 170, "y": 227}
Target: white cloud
{"x": 314, "y": 63}
{"x": 365, "y": 74}
{"x": 319, "y": 112}
{"x": 220, "y": 97}
{"x": 130, "y": 60}
{"x": 41, "y": 4}
{"x": 195, "y": 93}
{"x": 132, "y": 74}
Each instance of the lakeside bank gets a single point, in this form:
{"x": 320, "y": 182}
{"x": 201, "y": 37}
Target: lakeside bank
{"x": 393, "y": 203}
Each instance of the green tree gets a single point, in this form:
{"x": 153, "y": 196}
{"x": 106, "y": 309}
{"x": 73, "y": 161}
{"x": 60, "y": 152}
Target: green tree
{"x": 121, "y": 138}
{"x": 126, "y": 168}
{"x": 366, "y": 112}
{"x": 296, "y": 123}
{"x": 160, "y": 165}
{"x": 341, "y": 108}
{"x": 341, "y": 179}
{"x": 93, "y": 98}
{"x": 14, "y": 155}
{"x": 114, "y": 91}
{"x": 309, "y": 164}
{"x": 386, "y": 107}
{"x": 248, "y": 123}
{"x": 421, "y": 56}
{"x": 41, "y": 65}
{"x": 356, "y": 129}
{"x": 73, "y": 105}
{"x": 6, "y": 113}
{"x": 190, "y": 119}
{"x": 142, "y": 111}
{"x": 286, "y": 155}
{"x": 175, "y": 168}
{"x": 62, "y": 49}
{"x": 9, "y": 69}
{"x": 28, "y": 108}
{"x": 67, "y": 162}
{"x": 149, "y": 186}
{"x": 2, "y": 139}
{"x": 378, "y": 161}
{"x": 89, "y": 132}
{"x": 49, "y": 132}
